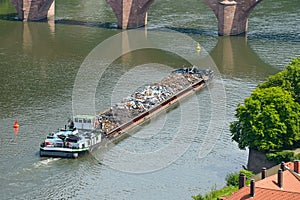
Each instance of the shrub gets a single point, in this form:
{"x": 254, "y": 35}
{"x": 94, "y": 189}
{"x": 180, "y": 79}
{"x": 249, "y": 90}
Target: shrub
{"x": 297, "y": 156}
{"x": 233, "y": 178}
{"x": 280, "y": 156}
{"x": 216, "y": 194}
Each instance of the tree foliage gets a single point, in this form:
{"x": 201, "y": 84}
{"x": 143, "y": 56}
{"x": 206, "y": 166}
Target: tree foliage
{"x": 270, "y": 118}
{"x": 288, "y": 79}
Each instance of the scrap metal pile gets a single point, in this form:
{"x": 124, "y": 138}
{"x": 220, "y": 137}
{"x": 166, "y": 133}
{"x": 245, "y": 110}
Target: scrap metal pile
{"x": 146, "y": 97}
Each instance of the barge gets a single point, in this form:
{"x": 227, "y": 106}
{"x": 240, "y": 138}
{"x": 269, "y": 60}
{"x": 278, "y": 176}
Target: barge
{"x": 85, "y": 133}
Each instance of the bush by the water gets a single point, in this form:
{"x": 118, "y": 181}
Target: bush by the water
{"x": 280, "y": 156}
{"x": 216, "y": 194}
{"x": 233, "y": 178}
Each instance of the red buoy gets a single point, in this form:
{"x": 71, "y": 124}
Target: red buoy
{"x": 16, "y": 125}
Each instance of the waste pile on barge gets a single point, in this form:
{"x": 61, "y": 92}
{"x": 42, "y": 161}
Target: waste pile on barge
{"x": 147, "y": 97}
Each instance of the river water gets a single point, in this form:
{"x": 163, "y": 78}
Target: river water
{"x": 182, "y": 152}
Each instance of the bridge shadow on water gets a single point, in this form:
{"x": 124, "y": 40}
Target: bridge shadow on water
{"x": 9, "y": 17}
{"x": 105, "y": 25}
{"x": 191, "y": 31}
{"x": 109, "y": 25}
{"x": 292, "y": 36}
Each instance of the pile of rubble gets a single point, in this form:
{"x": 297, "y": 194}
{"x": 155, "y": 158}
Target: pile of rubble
{"x": 146, "y": 97}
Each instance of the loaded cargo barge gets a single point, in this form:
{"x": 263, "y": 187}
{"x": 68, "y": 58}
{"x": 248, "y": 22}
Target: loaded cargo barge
{"x": 85, "y": 133}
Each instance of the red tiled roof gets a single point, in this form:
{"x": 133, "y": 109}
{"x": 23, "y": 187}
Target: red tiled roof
{"x": 263, "y": 194}
{"x": 290, "y": 182}
{"x": 290, "y": 165}
{"x": 268, "y": 188}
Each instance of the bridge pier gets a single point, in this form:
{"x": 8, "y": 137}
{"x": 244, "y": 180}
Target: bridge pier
{"x": 33, "y": 10}
{"x": 232, "y": 15}
{"x": 130, "y": 13}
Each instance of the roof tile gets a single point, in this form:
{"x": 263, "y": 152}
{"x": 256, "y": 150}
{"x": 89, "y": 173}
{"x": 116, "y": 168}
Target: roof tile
{"x": 290, "y": 182}
{"x": 263, "y": 194}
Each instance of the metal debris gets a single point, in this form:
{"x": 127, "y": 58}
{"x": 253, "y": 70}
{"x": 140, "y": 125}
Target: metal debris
{"x": 146, "y": 97}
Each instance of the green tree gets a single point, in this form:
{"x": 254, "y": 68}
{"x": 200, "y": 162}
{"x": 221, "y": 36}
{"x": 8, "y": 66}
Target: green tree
{"x": 288, "y": 79}
{"x": 268, "y": 120}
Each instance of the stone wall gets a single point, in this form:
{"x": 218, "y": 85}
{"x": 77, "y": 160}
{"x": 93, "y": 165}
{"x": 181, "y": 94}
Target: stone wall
{"x": 130, "y": 13}
{"x": 232, "y": 15}
{"x": 33, "y": 10}
{"x": 258, "y": 160}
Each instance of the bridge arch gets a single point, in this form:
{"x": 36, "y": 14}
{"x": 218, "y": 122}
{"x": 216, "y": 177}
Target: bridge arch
{"x": 232, "y": 15}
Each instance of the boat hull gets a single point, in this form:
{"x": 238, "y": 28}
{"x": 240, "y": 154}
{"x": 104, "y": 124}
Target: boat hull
{"x": 62, "y": 152}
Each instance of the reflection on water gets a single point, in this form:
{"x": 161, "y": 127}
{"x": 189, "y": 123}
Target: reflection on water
{"x": 16, "y": 130}
{"x": 235, "y": 57}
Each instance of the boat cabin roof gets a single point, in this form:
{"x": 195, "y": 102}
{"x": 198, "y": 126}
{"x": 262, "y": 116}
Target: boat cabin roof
{"x": 84, "y": 116}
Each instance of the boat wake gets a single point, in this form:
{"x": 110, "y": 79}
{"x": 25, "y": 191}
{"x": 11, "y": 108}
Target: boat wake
{"x": 45, "y": 162}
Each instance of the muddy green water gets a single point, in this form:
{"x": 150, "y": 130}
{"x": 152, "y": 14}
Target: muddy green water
{"x": 180, "y": 153}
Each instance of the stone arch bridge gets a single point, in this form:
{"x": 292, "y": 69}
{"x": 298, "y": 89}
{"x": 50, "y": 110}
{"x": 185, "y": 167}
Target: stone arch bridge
{"x": 232, "y": 15}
